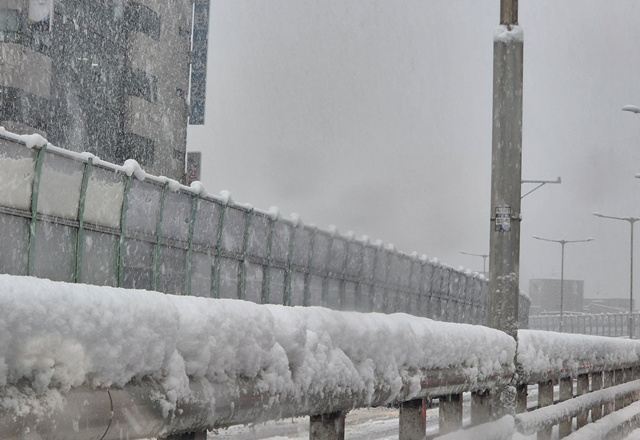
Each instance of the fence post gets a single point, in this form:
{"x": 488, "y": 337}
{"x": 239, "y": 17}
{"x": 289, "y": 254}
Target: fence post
{"x": 158, "y": 245}
{"x": 545, "y": 398}
{"x": 412, "y": 420}
{"x": 582, "y": 388}
{"x": 242, "y": 266}
{"x": 596, "y": 384}
{"x": 123, "y": 221}
{"x": 215, "y": 279}
{"x": 450, "y": 418}
{"x": 480, "y": 407}
{"x": 608, "y": 381}
{"x": 306, "y": 296}
{"x": 34, "y": 211}
{"x": 288, "y": 271}
{"x": 195, "y": 202}
{"x": 566, "y": 393}
{"x": 81, "y": 204}
{"x": 327, "y": 426}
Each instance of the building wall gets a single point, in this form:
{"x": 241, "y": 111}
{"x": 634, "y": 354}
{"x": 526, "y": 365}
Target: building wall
{"x": 545, "y": 295}
{"x": 109, "y": 77}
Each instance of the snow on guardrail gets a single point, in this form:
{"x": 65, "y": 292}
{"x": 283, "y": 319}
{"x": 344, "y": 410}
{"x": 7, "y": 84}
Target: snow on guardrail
{"x": 58, "y": 336}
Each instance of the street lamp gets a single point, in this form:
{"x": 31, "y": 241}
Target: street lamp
{"x": 562, "y": 243}
{"x": 484, "y": 260}
{"x": 631, "y": 108}
{"x": 631, "y": 221}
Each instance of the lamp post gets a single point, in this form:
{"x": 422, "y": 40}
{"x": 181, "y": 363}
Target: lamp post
{"x": 484, "y": 260}
{"x": 631, "y": 221}
{"x": 562, "y": 243}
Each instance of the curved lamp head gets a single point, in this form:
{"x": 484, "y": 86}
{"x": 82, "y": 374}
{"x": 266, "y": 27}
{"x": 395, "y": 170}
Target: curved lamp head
{"x": 631, "y": 108}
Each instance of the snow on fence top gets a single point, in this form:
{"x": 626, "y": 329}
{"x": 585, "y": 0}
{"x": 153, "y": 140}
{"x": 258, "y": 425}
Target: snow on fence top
{"x": 73, "y": 217}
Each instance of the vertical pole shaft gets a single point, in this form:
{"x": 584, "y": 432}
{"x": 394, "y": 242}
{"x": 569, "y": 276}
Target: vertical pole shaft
{"x": 631, "y": 332}
{"x": 562, "y": 290}
{"x": 509, "y": 12}
{"x": 506, "y": 176}
{"x": 506, "y": 179}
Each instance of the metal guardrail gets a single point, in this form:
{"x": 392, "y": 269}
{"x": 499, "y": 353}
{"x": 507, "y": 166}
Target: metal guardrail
{"x": 597, "y": 324}
{"x": 72, "y": 217}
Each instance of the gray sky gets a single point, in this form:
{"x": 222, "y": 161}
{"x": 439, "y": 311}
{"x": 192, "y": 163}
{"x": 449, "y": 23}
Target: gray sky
{"x": 375, "y": 116}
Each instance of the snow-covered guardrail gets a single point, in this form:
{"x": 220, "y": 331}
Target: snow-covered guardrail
{"x": 80, "y": 361}
{"x": 72, "y": 217}
{"x": 189, "y": 363}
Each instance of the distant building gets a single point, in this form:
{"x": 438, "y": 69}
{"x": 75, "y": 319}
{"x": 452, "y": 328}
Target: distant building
{"x": 110, "y": 77}
{"x": 545, "y": 296}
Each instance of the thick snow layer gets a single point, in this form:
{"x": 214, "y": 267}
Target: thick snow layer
{"x": 57, "y": 336}
{"x": 542, "y": 352}
{"x": 530, "y": 422}
{"x": 600, "y": 429}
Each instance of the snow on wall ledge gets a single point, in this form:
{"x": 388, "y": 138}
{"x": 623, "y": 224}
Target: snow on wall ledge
{"x": 58, "y": 336}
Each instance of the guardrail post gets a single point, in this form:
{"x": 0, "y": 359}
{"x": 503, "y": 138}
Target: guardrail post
{"x": 480, "y": 407}
{"x": 618, "y": 380}
{"x": 327, "y": 426}
{"x": 412, "y": 420}
{"x": 545, "y": 398}
{"x": 582, "y": 388}
{"x": 450, "y": 418}
{"x": 522, "y": 391}
{"x": 628, "y": 377}
{"x": 566, "y": 393}
{"x": 608, "y": 381}
{"x": 596, "y": 384}
{"x": 190, "y": 436}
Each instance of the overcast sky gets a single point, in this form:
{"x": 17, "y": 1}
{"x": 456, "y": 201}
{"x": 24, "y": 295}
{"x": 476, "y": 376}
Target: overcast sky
{"x": 375, "y": 116}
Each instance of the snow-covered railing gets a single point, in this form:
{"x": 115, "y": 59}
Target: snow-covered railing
{"x": 80, "y": 361}
{"x": 72, "y": 217}
{"x": 601, "y": 324}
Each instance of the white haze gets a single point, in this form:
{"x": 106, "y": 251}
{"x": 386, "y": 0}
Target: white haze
{"x": 375, "y": 116}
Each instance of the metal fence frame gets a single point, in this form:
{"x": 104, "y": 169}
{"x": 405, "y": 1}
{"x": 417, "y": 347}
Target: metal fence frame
{"x": 84, "y": 220}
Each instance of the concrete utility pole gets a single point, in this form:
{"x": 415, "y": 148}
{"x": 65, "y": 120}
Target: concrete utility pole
{"x": 506, "y": 177}
{"x": 506, "y": 172}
